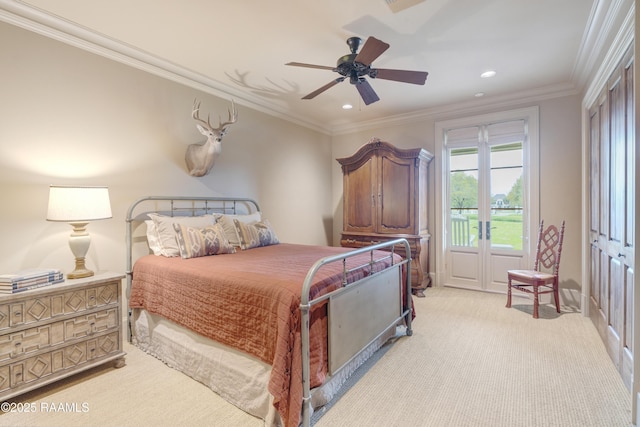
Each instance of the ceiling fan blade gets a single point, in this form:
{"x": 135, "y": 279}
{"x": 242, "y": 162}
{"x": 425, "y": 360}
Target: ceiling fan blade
{"x": 372, "y": 49}
{"x": 323, "y": 88}
{"x": 366, "y": 92}
{"x": 405, "y": 76}
{"x": 300, "y": 64}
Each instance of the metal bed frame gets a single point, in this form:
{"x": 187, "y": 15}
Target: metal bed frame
{"x": 345, "y": 305}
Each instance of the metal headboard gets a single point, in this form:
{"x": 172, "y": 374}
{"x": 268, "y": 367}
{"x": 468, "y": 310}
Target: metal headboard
{"x": 180, "y": 206}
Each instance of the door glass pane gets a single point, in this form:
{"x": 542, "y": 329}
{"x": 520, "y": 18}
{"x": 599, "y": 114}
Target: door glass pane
{"x": 463, "y": 196}
{"x": 506, "y": 196}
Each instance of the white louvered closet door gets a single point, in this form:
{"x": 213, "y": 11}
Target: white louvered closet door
{"x": 612, "y": 216}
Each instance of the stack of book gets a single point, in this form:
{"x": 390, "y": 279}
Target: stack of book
{"x": 29, "y": 279}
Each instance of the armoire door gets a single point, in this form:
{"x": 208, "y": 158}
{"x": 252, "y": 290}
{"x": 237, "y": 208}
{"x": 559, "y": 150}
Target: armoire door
{"x": 360, "y": 202}
{"x": 612, "y": 217}
{"x": 396, "y": 195}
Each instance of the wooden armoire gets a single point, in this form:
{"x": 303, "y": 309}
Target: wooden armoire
{"x": 385, "y": 198}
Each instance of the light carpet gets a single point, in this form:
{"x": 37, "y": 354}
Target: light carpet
{"x": 470, "y": 362}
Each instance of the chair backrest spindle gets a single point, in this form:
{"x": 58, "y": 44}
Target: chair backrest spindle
{"x": 549, "y": 248}
{"x": 537, "y": 261}
{"x": 556, "y": 268}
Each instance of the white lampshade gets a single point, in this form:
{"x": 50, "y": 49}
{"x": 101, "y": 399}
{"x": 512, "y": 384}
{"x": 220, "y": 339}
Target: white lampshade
{"x": 78, "y": 204}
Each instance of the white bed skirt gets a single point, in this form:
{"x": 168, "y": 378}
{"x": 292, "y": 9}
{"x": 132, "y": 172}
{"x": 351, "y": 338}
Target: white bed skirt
{"x": 237, "y": 377}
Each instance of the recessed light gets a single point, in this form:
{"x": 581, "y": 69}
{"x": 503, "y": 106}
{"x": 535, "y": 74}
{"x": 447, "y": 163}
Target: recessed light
{"x": 479, "y": 94}
{"x": 347, "y": 107}
{"x": 488, "y": 74}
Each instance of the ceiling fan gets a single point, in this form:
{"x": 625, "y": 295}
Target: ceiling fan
{"x": 357, "y": 65}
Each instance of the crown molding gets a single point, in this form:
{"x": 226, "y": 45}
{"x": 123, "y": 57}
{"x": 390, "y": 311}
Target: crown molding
{"x": 608, "y": 19}
{"x": 40, "y": 22}
{"x": 470, "y": 107}
{"x": 604, "y": 19}
{"x": 623, "y": 39}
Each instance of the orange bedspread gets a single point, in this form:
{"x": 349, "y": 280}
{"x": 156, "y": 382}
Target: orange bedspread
{"x": 250, "y": 301}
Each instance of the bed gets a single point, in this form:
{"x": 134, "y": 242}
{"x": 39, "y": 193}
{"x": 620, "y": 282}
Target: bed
{"x": 274, "y": 328}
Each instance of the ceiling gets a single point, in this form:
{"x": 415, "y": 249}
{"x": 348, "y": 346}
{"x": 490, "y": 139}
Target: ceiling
{"x": 239, "y": 48}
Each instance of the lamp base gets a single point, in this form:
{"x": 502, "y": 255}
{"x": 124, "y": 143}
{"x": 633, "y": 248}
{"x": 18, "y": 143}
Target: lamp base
{"x": 80, "y": 271}
{"x": 79, "y": 274}
{"x": 79, "y": 242}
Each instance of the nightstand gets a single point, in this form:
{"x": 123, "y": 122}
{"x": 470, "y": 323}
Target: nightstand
{"x": 52, "y": 332}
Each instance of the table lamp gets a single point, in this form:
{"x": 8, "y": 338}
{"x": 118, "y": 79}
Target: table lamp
{"x": 78, "y": 206}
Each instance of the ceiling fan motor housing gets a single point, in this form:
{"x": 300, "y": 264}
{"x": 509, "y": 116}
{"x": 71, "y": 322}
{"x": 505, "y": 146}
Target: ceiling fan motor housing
{"x": 347, "y": 66}
{"x": 354, "y": 43}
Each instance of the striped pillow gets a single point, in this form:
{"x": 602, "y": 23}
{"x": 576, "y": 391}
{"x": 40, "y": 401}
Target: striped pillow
{"x": 255, "y": 234}
{"x": 196, "y": 242}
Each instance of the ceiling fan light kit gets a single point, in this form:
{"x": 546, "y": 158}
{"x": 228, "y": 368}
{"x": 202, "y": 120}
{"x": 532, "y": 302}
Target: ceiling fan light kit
{"x": 356, "y": 66}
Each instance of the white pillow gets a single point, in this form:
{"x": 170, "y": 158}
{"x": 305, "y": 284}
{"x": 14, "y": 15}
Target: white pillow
{"x": 168, "y": 244}
{"x": 152, "y": 237}
{"x": 230, "y": 229}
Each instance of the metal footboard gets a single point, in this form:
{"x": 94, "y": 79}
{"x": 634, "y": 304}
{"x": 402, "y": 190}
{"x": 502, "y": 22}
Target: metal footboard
{"x": 351, "y": 305}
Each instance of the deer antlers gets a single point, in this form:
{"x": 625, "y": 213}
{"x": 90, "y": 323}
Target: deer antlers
{"x": 201, "y": 157}
{"x": 233, "y": 117}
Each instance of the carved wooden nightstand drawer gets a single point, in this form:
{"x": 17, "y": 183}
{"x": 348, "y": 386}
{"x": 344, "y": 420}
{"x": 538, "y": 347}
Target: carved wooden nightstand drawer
{"x": 16, "y": 344}
{"x": 27, "y": 341}
{"x": 42, "y": 307}
{"x": 58, "y": 363}
{"x": 49, "y": 333}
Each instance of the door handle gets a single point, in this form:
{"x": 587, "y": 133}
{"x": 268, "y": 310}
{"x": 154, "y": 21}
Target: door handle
{"x": 479, "y": 230}
{"x": 488, "y": 233}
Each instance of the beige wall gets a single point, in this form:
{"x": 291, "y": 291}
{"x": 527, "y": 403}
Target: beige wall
{"x": 560, "y": 173}
{"x": 71, "y": 117}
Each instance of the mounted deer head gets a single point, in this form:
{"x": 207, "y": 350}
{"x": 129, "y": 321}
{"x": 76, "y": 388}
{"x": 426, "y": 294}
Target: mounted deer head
{"x": 201, "y": 157}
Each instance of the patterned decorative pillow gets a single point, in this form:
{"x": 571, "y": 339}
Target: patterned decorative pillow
{"x": 255, "y": 234}
{"x": 164, "y": 228}
{"x": 226, "y": 221}
{"x": 196, "y": 242}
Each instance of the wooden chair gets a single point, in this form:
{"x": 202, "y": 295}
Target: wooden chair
{"x": 543, "y": 279}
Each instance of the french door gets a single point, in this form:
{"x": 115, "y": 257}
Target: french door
{"x": 485, "y": 201}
